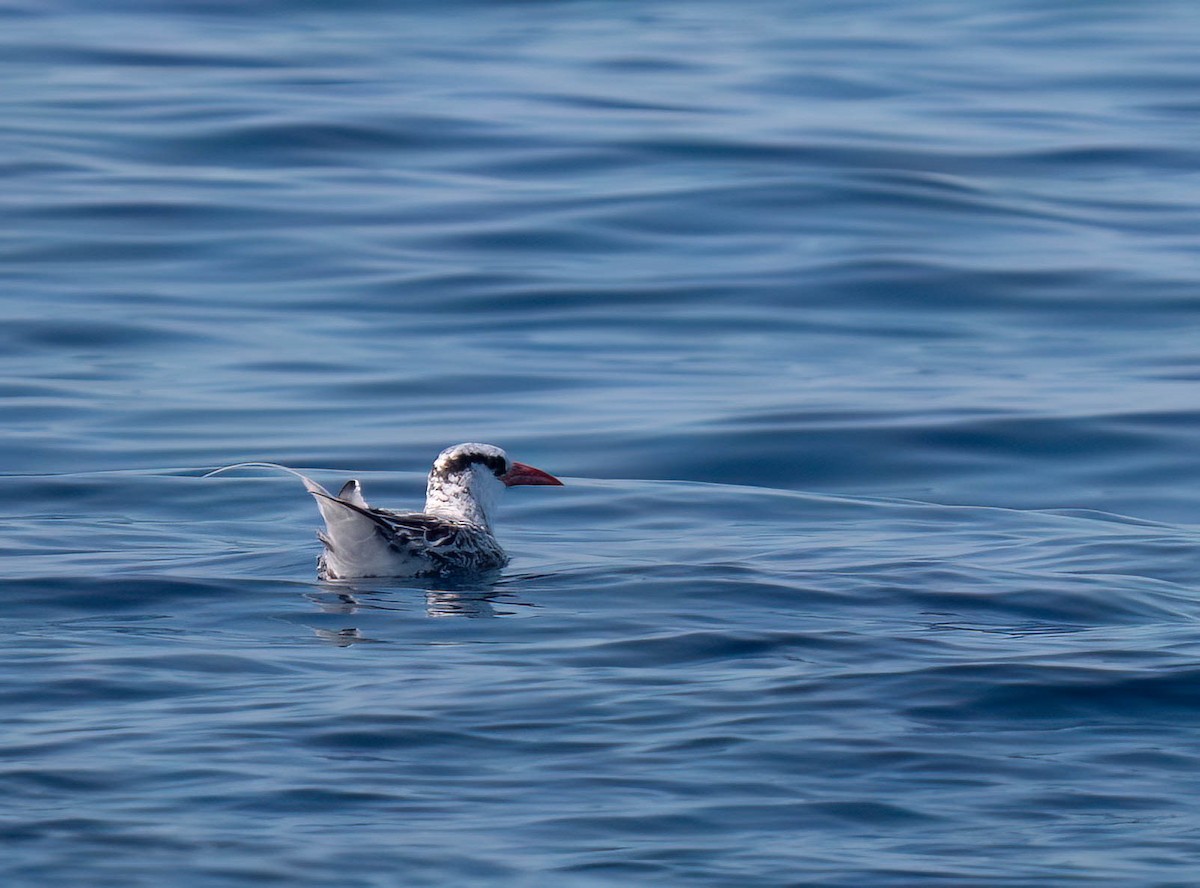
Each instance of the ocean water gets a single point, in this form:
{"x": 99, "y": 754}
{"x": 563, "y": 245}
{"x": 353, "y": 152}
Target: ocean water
{"x": 864, "y": 336}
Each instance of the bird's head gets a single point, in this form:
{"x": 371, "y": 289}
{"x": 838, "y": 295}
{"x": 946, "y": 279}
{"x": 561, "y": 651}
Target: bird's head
{"x": 467, "y": 478}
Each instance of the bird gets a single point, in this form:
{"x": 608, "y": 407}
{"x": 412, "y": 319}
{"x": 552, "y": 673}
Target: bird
{"x": 453, "y": 535}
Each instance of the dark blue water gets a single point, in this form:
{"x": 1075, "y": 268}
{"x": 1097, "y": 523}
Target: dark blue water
{"x": 864, "y": 334}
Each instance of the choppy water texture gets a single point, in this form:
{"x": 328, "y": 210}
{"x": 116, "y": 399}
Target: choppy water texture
{"x": 864, "y": 335}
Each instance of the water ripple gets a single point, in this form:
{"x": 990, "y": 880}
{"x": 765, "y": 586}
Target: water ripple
{"x": 863, "y": 336}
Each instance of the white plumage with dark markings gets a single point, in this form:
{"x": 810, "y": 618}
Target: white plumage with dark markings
{"x": 452, "y": 535}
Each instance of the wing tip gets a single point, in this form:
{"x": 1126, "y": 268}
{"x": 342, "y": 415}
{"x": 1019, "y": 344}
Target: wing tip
{"x": 351, "y": 492}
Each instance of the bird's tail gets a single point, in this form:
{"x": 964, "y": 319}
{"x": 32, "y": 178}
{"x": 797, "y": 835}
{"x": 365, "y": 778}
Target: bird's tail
{"x": 309, "y": 484}
{"x": 350, "y": 533}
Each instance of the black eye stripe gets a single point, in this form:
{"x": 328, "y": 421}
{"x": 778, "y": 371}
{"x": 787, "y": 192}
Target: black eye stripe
{"x": 462, "y": 461}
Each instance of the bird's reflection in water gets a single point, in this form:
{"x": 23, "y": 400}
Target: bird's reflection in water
{"x": 480, "y": 598}
{"x": 340, "y": 603}
{"x": 493, "y": 596}
{"x": 445, "y": 603}
{"x": 344, "y": 637}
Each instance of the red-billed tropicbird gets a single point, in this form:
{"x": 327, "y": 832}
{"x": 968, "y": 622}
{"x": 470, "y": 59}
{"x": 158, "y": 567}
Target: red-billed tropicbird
{"x": 453, "y": 534}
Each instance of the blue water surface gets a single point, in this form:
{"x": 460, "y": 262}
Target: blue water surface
{"x": 863, "y": 334}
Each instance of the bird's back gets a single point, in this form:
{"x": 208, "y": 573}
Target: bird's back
{"x": 361, "y": 541}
